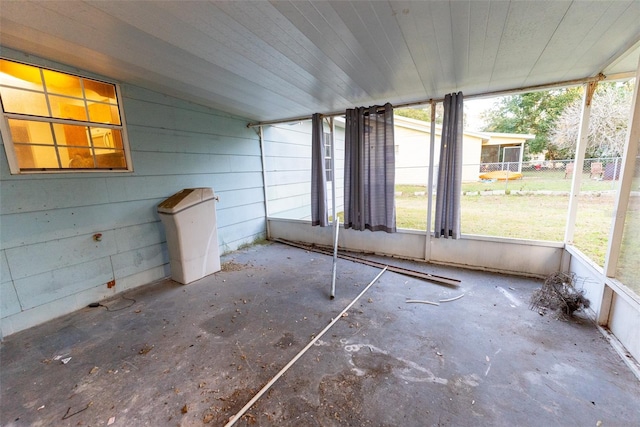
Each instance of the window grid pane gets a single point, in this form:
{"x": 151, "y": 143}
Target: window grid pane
{"x": 71, "y": 135}
{"x": 24, "y": 102}
{"x": 68, "y": 108}
{"x": 37, "y": 156}
{"x": 77, "y": 158}
{"x": 110, "y": 158}
{"x": 30, "y": 132}
{"x": 62, "y": 84}
{"x": 104, "y": 113}
{"x": 98, "y": 91}
{"x": 40, "y": 144}
{"x": 14, "y": 74}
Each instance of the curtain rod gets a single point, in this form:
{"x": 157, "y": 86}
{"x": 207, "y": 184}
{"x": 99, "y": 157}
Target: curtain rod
{"x": 533, "y": 88}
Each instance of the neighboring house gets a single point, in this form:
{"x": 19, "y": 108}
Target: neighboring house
{"x": 288, "y": 161}
{"x": 412, "y": 151}
{"x": 502, "y": 151}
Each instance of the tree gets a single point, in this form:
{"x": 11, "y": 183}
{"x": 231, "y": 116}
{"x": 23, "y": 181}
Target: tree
{"x": 530, "y": 113}
{"x": 423, "y": 114}
{"x": 607, "y": 125}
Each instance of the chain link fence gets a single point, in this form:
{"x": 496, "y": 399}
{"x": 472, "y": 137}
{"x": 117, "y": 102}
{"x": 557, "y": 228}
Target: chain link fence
{"x": 598, "y": 175}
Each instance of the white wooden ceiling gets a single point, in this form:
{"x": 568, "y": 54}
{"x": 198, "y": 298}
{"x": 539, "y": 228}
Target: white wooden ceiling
{"x": 280, "y": 59}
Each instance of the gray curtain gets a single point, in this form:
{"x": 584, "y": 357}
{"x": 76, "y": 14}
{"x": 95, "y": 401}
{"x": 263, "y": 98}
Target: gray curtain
{"x": 369, "y": 169}
{"x": 319, "y": 215}
{"x": 450, "y": 170}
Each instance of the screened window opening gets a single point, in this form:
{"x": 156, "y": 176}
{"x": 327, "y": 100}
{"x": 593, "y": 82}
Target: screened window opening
{"x": 53, "y": 121}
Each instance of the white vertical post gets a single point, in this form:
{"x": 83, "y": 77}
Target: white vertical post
{"x": 626, "y": 180}
{"x": 264, "y": 182}
{"x": 578, "y": 162}
{"x": 627, "y": 171}
{"x": 336, "y": 225}
{"x": 432, "y": 142}
{"x": 334, "y": 209}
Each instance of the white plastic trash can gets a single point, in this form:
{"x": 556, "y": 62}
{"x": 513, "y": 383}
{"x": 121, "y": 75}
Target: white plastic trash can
{"x": 189, "y": 219}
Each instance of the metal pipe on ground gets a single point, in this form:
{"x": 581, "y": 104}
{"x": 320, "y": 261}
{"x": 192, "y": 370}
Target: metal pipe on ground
{"x": 440, "y": 280}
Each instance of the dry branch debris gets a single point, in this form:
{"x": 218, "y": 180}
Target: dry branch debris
{"x": 559, "y": 294}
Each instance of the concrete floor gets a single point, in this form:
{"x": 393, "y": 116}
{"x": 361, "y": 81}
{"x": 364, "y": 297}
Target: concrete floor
{"x": 195, "y": 354}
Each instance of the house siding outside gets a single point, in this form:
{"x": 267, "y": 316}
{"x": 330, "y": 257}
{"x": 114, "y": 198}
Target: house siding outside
{"x": 412, "y": 158}
{"x": 50, "y": 264}
{"x": 288, "y": 162}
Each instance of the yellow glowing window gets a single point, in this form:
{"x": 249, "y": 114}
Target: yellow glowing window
{"x": 54, "y": 121}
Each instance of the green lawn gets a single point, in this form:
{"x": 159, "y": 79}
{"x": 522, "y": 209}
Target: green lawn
{"x": 533, "y": 216}
{"x": 524, "y": 216}
{"x": 537, "y": 217}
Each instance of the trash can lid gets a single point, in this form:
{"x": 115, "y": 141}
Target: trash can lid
{"x": 185, "y": 199}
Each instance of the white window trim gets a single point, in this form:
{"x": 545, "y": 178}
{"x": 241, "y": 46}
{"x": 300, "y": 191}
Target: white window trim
{"x": 330, "y": 157}
{"x": 8, "y": 141}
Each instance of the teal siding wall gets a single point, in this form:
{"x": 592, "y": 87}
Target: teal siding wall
{"x": 288, "y": 165}
{"x": 49, "y": 263}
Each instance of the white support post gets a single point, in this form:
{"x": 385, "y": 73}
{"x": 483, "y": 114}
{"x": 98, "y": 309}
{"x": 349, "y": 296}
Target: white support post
{"x": 602, "y": 317}
{"x": 264, "y": 182}
{"x": 626, "y": 180}
{"x": 578, "y": 162}
{"x": 432, "y": 142}
{"x": 622, "y": 202}
{"x": 334, "y": 209}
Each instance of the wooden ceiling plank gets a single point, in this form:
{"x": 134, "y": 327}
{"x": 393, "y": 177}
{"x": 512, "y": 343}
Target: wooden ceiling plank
{"x": 134, "y": 53}
{"x": 408, "y": 76}
{"x": 481, "y": 42}
{"x": 308, "y": 22}
{"x": 195, "y": 45}
{"x": 326, "y": 28}
{"x": 255, "y": 49}
{"x": 443, "y": 30}
{"x": 380, "y": 35}
{"x": 461, "y": 25}
{"x": 271, "y": 27}
{"x": 619, "y": 23}
{"x": 419, "y": 37}
{"x": 498, "y": 12}
{"x": 566, "y": 45}
{"x": 529, "y": 26}
{"x": 333, "y": 20}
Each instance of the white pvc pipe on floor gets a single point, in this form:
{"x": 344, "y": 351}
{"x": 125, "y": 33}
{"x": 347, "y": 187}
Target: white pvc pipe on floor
{"x": 267, "y": 386}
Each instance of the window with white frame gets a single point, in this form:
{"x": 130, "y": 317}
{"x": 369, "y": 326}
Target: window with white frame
{"x": 327, "y": 157}
{"x": 54, "y": 121}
